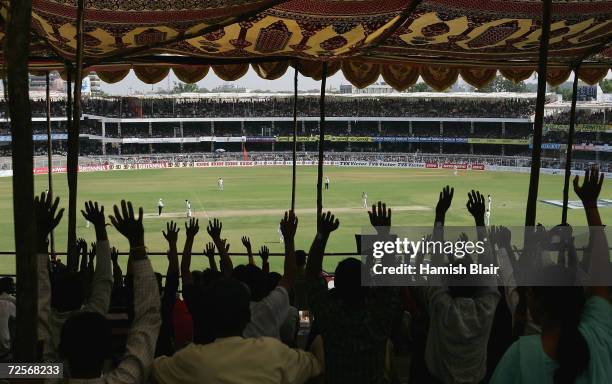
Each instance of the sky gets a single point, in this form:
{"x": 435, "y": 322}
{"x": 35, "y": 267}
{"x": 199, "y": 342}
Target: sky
{"x": 131, "y": 84}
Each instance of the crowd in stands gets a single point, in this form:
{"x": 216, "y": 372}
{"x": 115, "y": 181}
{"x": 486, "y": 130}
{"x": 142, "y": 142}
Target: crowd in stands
{"x": 238, "y": 323}
{"x": 131, "y": 107}
{"x": 582, "y": 117}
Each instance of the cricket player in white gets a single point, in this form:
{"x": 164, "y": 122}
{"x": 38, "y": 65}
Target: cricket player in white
{"x": 488, "y": 213}
{"x": 364, "y": 197}
{"x": 188, "y": 208}
{"x": 326, "y": 182}
{"x": 220, "y": 184}
{"x": 160, "y": 207}
{"x": 280, "y": 234}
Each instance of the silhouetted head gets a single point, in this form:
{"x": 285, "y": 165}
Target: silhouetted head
{"x": 7, "y": 285}
{"x": 208, "y": 276}
{"x": 561, "y": 307}
{"x": 85, "y": 343}
{"x": 226, "y": 308}
{"x": 273, "y": 278}
{"x": 347, "y": 282}
{"x": 67, "y": 291}
{"x": 254, "y": 278}
{"x": 300, "y": 258}
{"x": 462, "y": 285}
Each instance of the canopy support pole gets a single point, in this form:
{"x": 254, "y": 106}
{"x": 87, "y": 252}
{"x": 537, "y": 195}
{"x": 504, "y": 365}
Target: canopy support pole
{"x": 536, "y": 151}
{"x": 570, "y": 144}
{"x": 49, "y": 157}
{"x": 73, "y": 139}
{"x": 321, "y": 145}
{"x": 293, "y": 174}
{"x": 17, "y": 51}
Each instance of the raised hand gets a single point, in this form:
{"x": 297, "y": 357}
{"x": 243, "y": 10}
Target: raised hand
{"x": 289, "y": 225}
{"x": 444, "y": 203}
{"x": 214, "y": 229}
{"x": 46, "y": 218}
{"x": 591, "y": 187}
{"x": 328, "y": 223}
{"x": 94, "y": 213}
{"x": 92, "y": 251}
{"x": 171, "y": 233}
{"x": 224, "y": 246}
{"x": 247, "y": 243}
{"x": 114, "y": 255}
{"x": 380, "y": 217}
{"x": 82, "y": 246}
{"x": 192, "y": 227}
{"x": 264, "y": 253}
{"x": 476, "y": 207}
{"x": 503, "y": 237}
{"x": 128, "y": 225}
{"x": 209, "y": 250}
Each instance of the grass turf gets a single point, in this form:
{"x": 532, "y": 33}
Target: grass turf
{"x": 254, "y": 198}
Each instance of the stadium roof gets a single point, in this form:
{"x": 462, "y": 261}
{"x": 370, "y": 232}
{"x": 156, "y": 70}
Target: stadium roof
{"x": 398, "y": 39}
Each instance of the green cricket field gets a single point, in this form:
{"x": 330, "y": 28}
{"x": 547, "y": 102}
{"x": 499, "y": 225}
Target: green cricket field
{"x": 253, "y": 201}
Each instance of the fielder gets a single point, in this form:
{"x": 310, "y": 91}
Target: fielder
{"x": 188, "y": 208}
{"x": 220, "y": 183}
{"x": 160, "y": 207}
{"x": 364, "y": 197}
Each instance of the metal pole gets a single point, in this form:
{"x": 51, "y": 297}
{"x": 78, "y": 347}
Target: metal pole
{"x": 73, "y": 140}
{"x": 570, "y": 143}
{"x": 17, "y": 48}
{"x": 49, "y": 158}
{"x": 295, "y": 123}
{"x": 321, "y": 145}
{"x": 536, "y": 152}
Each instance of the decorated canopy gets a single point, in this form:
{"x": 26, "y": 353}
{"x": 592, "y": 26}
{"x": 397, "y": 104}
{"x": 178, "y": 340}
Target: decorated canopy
{"x": 398, "y": 39}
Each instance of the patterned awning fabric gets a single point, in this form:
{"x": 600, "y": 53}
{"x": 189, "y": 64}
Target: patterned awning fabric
{"x": 398, "y": 39}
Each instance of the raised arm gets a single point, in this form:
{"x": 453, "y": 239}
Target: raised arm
{"x": 264, "y": 253}
{"x": 46, "y": 220}
{"x": 444, "y": 202}
{"x": 166, "y": 332}
{"x": 247, "y": 244}
{"x": 102, "y": 283}
{"x": 117, "y": 272}
{"x": 140, "y": 346}
{"x": 599, "y": 268}
{"x": 476, "y": 207}
{"x": 380, "y": 218}
{"x": 288, "y": 226}
{"x": 210, "y": 254}
{"x": 191, "y": 230}
{"x": 327, "y": 224}
{"x": 214, "y": 230}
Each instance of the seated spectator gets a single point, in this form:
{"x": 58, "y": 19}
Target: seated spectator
{"x": 355, "y": 324}
{"x": 576, "y": 341}
{"x": 232, "y": 358}
{"x": 8, "y": 313}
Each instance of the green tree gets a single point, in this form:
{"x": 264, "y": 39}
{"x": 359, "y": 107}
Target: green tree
{"x": 180, "y": 87}
{"x": 606, "y": 85}
{"x": 420, "y": 87}
{"x": 501, "y": 84}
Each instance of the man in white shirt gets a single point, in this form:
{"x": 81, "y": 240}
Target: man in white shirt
{"x": 188, "y": 208}
{"x": 85, "y": 335}
{"x": 326, "y": 182}
{"x": 231, "y": 358}
{"x": 220, "y": 183}
{"x": 160, "y": 207}
{"x": 8, "y": 312}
